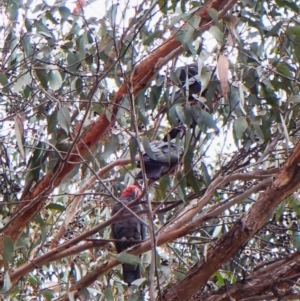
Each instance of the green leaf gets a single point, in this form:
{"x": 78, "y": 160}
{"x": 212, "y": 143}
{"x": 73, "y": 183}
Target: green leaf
{"x": 64, "y": 118}
{"x": 154, "y": 96}
{"x": 220, "y": 278}
{"x": 216, "y": 33}
{"x": 293, "y": 5}
{"x": 41, "y": 73}
{"x": 8, "y": 251}
{"x": 13, "y": 11}
{"x": 23, "y": 80}
{"x": 56, "y": 207}
{"x": 214, "y": 15}
{"x": 64, "y": 12}
{"x": 3, "y": 80}
{"x": 79, "y": 85}
{"x": 188, "y": 114}
{"x": 49, "y": 16}
{"x": 112, "y": 13}
{"x": 206, "y": 175}
{"x": 108, "y": 294}
{"x": 81, "y": 44}
{"x": 142, "y": 117}
{"x": 187, "y": 142}
{"x": 152, "y": 37}
{"x": 164, "y": 184}
{"x": 188, "y": 36}
{"x": 110, "y": 147}
{"x": 275, "y": 30}
{"x": 295, "y": 99}
{"x": 135, "y": 296}
{"x": 181, "y": 180}
{"x": 33, "y": 280}
{"x": 174, "y": 76}
{"x": 295, "y": 30}
{"x": 7, "y": 285}
{"x": 147, "y": 148}
{"x": 28, "y": 24}
{"x": 284, "y": 69}
{"x": 163, "y": 6}
{"x": 296, "y": 239}
{"x": 189, "y": 174}
{"x": 203, "y": 118}
{"x": 35, "y": 161}
{"x": 133, "y": 145}
{"x": 52, "y": 122}
{"x": 240, "y": 125}
{"x": 27, "y": 46}
{"x": 73, "y": 62}
{"x": 48, "y": 294}
{"x": 42, "y": 29}
{"x": 55, "y": 79}
{"x": 128, "y": 258}
{"x": 181, "y": 114}
{"x": 67, "y": 45}
{"x": 26, "y": 92}
{"x": 294, "y": 204}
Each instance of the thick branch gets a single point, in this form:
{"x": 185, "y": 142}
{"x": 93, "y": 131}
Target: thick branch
{"x": 277, "y": 276}
{"x": 287, "y": 181}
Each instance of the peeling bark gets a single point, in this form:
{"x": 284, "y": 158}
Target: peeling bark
{"x": 287, "y": 181}
{"x": 274, "y": 278}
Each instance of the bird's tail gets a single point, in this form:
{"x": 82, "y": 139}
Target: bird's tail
{"x": 131, "y": 273}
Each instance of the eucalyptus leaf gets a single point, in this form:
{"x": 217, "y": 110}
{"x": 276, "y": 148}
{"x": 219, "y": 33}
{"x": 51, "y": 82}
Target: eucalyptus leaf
{"x": 133, "y": 145}
{"x": 214, "y": 15}
{"x": 129, "y": 258}
{"x": 55, "y": 80}
{"x": 295, "y": 30}
{"x": 7, "y": 284}
{"x": 56, "y": 207}
{"x": 48, "y": 294}
{"x": 3, "y": 80}
{"x": 295, "y": 99}
{"x": 206, "y": 175}
{"x": 52, "y": 122}
{"x": 64, "y": 118}
{"x": 147, "y": 148}
{"x": 240, "y": 125}
{"x": 108, "y": 294}
{"x": 8, "y": 251}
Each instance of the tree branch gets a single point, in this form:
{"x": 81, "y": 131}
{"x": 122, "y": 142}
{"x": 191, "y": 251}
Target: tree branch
{"x": 286, "y": 182}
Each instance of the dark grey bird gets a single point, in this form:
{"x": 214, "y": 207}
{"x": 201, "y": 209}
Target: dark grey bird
{"x": 128, "y": 231}
{"x": 164, "y": 155}
{"x": 193, "y": 83}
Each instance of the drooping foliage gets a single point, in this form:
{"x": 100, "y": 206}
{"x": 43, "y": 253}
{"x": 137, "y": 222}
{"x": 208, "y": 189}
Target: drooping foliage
{"x": 89, "y": 86}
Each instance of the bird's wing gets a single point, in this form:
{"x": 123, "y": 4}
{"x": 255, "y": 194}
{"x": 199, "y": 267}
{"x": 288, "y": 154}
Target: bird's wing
{"x": 170, "y": 153}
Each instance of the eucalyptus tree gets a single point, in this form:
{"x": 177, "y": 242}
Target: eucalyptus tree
{"x": 86, "y": 87}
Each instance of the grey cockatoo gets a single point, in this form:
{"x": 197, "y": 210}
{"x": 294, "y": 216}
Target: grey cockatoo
{"x": 164, "y": 155}
{"x": 128, "y": 231}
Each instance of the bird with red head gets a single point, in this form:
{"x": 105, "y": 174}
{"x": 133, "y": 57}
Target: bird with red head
{"x": 131, "y": 191}
{"x": 128, "y": 231}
